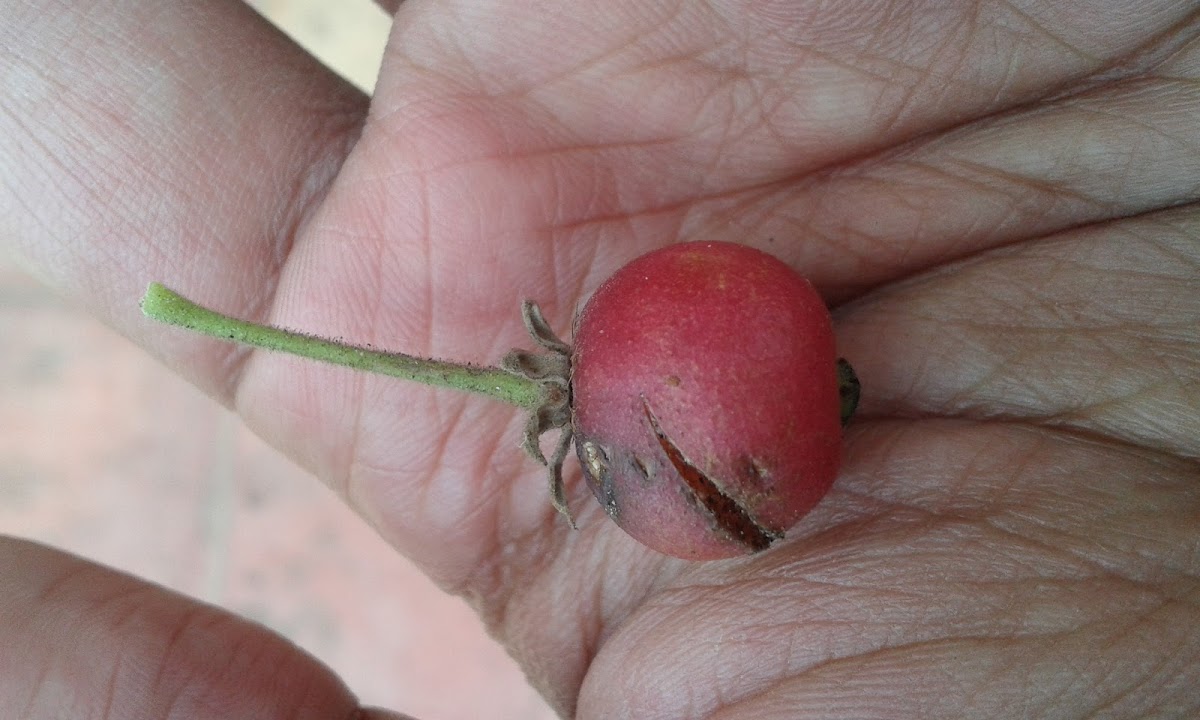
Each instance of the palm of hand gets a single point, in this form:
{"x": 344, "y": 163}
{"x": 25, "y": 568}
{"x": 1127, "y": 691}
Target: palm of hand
{"x": 1007, "y": 501}
{"x": 984, "y": 202}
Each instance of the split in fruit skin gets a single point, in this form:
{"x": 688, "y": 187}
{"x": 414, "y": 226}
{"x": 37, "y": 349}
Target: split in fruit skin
{"x": 539, "y": 382}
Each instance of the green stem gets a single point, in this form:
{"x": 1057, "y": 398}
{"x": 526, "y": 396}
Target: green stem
{"x": 164, "y": 305}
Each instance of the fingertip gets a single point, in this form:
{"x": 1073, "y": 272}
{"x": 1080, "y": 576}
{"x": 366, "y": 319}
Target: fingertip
{"x": 80, "y": 638}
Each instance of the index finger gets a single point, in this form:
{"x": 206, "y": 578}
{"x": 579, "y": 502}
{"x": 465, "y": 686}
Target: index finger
{"x": 141, "y": 136}
{"x": 82, "y": 640}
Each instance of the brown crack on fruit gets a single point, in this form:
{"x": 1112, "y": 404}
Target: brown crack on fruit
{"x": 736, "y": 521}
{"x": 643, "y": 468}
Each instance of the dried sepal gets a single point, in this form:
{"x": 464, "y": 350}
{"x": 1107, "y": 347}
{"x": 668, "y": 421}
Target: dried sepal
{"x": 552, "y": 371}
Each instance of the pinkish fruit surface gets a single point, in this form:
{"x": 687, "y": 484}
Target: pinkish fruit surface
{"x": 705, "y": 399}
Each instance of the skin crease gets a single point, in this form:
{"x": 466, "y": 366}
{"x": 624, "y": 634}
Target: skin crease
{"x": 998, "y": 198}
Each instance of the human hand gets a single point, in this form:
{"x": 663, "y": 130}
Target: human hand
{"x": 997, "y": 199}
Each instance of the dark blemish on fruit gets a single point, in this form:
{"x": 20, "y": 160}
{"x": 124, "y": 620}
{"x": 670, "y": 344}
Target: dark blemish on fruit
{"x": 674, "y": 381}
{"x": 644, "y": 469}
{"x": 755, "y": 472}
{"x": 731, "y": 517}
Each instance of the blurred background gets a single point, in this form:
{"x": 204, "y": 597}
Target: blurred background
{"x": 92, "y": 461}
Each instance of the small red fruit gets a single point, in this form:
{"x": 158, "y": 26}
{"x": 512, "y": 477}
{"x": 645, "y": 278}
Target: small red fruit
{"x": 702, "y": 393}
{"x": 705, "y": 399}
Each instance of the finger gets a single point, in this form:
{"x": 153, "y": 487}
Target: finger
{"x": 1117, "y": 150}
{"x": 1093, "y": 330}
{"x": 713, "y": 99}
{"x": 183, "y": 141}
{"x": 83, "y": 641}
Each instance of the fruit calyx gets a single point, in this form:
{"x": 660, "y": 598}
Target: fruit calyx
{"x": 552, "y": 372}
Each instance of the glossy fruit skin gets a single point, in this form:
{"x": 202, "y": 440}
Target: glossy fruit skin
{"x": 705, "y": 399}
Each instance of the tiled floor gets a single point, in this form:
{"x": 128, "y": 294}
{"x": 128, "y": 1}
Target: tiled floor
{"x": 106, "y": 454}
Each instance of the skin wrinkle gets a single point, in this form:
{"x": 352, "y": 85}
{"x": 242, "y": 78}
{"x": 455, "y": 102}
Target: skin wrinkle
{"x": 1176, "y": 252}
{"x": 924, "y": 71}
{"x": 247, "y": 654}
{"x": 49, "y": 156}
{"x": 108, "y": 712}
{"x": 1112, "y": 703}
{"x": 170, "y": 696}
{"x": 939, "y": 85}
{"x": 417, "y": 494}
{"x": 1029, "y": 21}
{"x": 344, "y": 481}
{"x": 1056, "y": 441}
{"x": 1017, "y": 181}
{"x": 635, "y": 41}
{"x": 1008, "y": 82}
{"x": 598, "y": 213}
{"x": 178, "y": 643}
{"x": 1019, "y": 659}
{"x": 1160, "y": 50}
{"x": 307, "y": 194}
{"x": 493, "y": 577}
{"x": 428, "y": 249}
{"x": 731, "y": 710}
{"x": 494, "y": 455}
{"x": 685, "y": 601}
{"x": 725, "y": 132}
{"x": 1098, "y": 559}
{"x": 1066, "y": 415}
{"x": 347, "y": 482}
{"x": 546, "y": 673}
{"x": 37, "y": 688}
{"x": 1020, "y": 181}
{"x": 988, "y": 329}
{"x": 497, "y": 455}
{"x": 873, "y": 49}
{"x": 1149, "y": 675}
{"x": 294, "y": 218}
{"x": 893, "y": 119}
{"x": 862, "y": 238}
{"x": 1019, "y": 534}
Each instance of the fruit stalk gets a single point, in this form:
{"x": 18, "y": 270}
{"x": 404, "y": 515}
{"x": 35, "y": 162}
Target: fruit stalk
{"x": 165, "y": 305}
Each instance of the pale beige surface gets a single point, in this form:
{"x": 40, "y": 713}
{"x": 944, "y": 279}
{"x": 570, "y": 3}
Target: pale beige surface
{"x": 106, "y": 454}
{"x": 348, "y": 35}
